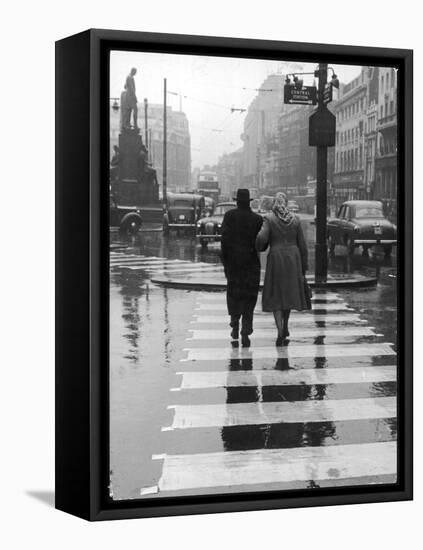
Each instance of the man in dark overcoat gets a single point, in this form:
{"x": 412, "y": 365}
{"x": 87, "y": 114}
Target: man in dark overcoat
{"x": 242, "y": 265}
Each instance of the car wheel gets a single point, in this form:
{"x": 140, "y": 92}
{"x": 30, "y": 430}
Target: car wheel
{"x": 349, "y": 243}
{"x": 132, "y": 226}
{"x": 387, "y": 249}
{"x": 331, "y": 244}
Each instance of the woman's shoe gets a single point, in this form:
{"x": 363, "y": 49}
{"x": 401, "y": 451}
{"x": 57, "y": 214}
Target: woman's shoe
{"x": 245, "y": 341}
{"x": 285, "y": 333}
{"x": 279, "y": 341}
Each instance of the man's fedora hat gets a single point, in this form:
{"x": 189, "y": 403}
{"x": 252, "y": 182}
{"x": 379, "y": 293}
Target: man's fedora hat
{"x": 243, "y": 195}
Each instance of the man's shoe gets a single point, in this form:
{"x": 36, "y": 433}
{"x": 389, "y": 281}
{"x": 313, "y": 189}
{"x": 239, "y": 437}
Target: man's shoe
{"x": 245, "y": 341}
{"x": 279, "y": 341}
{"x": 234, "y": 334}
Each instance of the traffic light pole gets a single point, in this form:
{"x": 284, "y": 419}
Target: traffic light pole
{"x": 164, "y": 142}
{"x": 321, "y": 250}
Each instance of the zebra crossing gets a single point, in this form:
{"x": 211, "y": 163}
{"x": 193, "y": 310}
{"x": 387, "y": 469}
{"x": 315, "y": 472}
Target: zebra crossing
{"x": 161, "y": 266}
{"x": 320, "y": 411}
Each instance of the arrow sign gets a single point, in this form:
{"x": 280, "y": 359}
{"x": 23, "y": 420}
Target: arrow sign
{"x": 307, "y": 95}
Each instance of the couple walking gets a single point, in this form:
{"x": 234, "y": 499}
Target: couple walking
{"x": 244, "y": 235}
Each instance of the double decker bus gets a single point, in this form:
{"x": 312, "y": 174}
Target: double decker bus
{"x": 208, "y": 185}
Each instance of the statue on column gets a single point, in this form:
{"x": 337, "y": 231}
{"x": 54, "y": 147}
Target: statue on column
{"x": 128, "y": 102}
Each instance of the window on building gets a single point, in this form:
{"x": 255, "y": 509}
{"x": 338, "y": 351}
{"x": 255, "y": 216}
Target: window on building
{"x": 387, "y": 80}
{"x": 392, "y": 107}
{"x": 381, "y": 82}
{"x": 381, "y": 111}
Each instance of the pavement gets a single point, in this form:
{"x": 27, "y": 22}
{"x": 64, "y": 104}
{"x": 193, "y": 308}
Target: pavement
{"x": 192, "y": 414}
{"x": 210, "y": 276}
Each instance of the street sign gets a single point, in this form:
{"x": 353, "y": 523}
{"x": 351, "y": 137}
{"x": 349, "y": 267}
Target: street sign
{"x": 322, "y": 126}
{"x": 307, "y": 95}
{"x": 327, "y": 93}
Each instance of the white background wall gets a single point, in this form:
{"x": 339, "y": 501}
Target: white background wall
{"x": 29, "y": 30}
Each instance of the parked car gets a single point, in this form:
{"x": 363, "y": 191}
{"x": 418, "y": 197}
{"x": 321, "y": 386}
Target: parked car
{"x": 125, "y": 218}
{"x": 293, "y": 206}
{"x": 361, "y": 223}
{"x": 182, "y": 212}
{"x": 209, "y": 228}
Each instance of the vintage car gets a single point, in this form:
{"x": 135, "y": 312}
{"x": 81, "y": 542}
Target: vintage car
{"x": 182, "y": 211}
{"x": 125, "y": 218}
{"x": 361, "y": 223}
{"x": 293, "y": 206}
{"x": 209, "y": 228}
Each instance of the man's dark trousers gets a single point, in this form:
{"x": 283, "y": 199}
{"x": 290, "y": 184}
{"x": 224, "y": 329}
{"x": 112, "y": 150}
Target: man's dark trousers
{"x": 242, "y": 265}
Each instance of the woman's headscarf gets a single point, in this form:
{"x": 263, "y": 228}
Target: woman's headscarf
{"x": 280, "y": 210}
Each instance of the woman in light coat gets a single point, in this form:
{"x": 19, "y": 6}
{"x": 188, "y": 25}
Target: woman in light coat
{"x": 283, "y": 288}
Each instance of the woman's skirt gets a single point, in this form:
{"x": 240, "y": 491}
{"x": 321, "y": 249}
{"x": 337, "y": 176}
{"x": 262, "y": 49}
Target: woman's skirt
{"x": 284, "y": 282}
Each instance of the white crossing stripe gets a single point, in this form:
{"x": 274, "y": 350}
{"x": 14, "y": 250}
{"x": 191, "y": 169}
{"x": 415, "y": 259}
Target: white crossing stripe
{"x": 287, "y": 352}
{"x": 295, "y": 319}
{"x": 136, "y": 261}
{"x": 225, "y": 469}
{"x": 243, "y": 414}
{"x": 342, "y": 332}
{"x": 191, "y": 269}
{"x": 326, "y": 306}
{"x": 140, "y": 257}
{"x": 260, "y": 378}
{"x": 221, "y": 296}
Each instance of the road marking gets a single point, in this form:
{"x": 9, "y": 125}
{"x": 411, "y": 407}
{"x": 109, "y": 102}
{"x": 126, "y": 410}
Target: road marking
{"x": 224, "y": 469}
{"x": 296, "y": 318}
{"x": 198, "y": 271}
{"x": 221, "y": 296}
{"x": 220, "y": 334}
{"x": 150, "y": 262}
{"x": 289, "y": 351}
{"x": 244, "y": 414}
{"x": 260, "y": 378}
{"x": 326, "y": 307}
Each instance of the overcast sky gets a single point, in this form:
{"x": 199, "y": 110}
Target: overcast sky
{"x": 212, "y": 85}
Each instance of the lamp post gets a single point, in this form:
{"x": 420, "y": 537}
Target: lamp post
{"x": 164, "y": 141}
{"x": 321, "y": 251}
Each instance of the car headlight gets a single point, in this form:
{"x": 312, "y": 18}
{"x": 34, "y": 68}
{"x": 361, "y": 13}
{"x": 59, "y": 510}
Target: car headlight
{"x": 219, "y": 225}
{"x": 198, "y": 225}
{"x": 356, "y": 228}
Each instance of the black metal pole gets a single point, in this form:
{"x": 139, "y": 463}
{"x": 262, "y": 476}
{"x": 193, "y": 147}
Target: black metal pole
{"x": 146, "y": 121}
{"x": 321, "y": 250}
{"x": 165, "y": 142}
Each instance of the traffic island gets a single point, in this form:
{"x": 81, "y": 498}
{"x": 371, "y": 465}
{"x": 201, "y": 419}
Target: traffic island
{"x": 198, "y": 282}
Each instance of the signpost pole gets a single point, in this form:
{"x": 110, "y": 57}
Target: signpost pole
{"x": 321, "y": 252}
{"x": 165, "y": 142}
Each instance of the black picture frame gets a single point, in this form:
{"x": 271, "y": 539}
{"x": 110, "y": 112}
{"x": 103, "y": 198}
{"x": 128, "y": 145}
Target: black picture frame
{"x": 82, "y": 250}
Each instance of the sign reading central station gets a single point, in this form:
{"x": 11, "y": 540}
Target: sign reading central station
{"x": 307, "y": 95}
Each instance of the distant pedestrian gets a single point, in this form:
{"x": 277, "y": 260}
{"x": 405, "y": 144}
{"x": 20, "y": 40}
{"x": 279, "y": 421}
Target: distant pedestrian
{"x": 286, "y": 264}
{"x": 242, "y": 265}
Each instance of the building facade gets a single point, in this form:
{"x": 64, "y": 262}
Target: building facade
{"x": 260, "y": 126}
{"x": 351, "y": 120}
{"x": 229, "y": 171}
{"x": 371, "y": 132}
{"x": 386, "y": 154}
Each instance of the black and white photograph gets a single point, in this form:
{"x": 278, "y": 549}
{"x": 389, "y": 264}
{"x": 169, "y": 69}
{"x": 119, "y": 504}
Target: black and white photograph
{"x": 253, "y": 260}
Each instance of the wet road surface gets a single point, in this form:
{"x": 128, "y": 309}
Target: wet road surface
{"x": 192, "y": 415}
